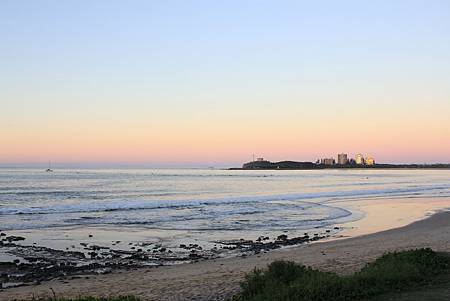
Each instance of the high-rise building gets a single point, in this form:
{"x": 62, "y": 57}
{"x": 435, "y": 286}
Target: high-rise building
{"x": 370, "y": 161}
{"x": 327, "y": 161}
{"x": 342, "y": 159}
{"x": 359, "y": 159}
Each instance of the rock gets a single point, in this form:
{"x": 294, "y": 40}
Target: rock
{"x": 282, "y": 237}
{"x": 31, "y": 259}
{"x": 4, "y": 277}
{"x": 261, "y": 238}
{"x": 14, "y": 238}
{"x": 194, "y": 256}
{"x": 7, "y": 264}
{"x": 90, "y": 235}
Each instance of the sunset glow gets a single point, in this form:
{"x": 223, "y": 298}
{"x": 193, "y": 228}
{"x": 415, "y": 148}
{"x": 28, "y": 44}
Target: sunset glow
{"x": 160, "y": 83}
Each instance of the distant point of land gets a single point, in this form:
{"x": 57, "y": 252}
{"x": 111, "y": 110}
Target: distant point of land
{"x": 294, "y": 165}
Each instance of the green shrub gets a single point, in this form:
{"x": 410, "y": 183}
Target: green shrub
{"x": 391, "y": 272}
{"x": 120, "y": 298}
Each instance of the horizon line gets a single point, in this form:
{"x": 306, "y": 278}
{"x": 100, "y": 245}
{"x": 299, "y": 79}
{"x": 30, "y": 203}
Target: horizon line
{"x": 165, "y": 165}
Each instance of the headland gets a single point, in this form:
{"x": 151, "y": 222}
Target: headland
{"x": 294, "y": 165}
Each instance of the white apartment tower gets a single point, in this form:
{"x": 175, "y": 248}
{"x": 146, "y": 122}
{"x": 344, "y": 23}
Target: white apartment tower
{"x": 359, "y": 159}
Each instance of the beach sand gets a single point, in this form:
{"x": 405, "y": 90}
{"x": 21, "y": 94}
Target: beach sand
{"x": 218, "y": 279}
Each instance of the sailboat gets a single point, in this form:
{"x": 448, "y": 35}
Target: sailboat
{"x": 49, "y": 169}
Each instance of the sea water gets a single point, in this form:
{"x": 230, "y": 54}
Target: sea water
{"x": 199, "y": 204}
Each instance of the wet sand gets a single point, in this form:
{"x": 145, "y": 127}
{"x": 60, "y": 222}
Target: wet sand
{"x": 218, "y": 279}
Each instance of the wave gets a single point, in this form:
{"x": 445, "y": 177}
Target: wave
{"x": 257, "y": 217}
{"x": 123, "y": 205}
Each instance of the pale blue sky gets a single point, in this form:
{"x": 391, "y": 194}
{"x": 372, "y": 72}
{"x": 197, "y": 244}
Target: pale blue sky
{"x": 189, "y": 65}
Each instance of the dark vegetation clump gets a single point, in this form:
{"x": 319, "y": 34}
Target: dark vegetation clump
{"x": 120, "y": 298}
{"x": 392, "y": 272}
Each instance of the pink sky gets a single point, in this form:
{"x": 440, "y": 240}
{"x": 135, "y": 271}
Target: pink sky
{"x": 211, "y": 83}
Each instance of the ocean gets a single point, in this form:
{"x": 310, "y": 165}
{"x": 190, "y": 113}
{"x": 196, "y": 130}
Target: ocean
{"x": 171, "y": 205}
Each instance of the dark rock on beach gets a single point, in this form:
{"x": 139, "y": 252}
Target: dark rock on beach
{"x": 14, "y": 238}
{"x": 282, "y": 237}
{"x": 37, "y": 264}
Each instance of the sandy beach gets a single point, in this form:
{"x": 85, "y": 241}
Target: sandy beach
{"x": 218, "y": 279}
{"x": 219, "y": 150}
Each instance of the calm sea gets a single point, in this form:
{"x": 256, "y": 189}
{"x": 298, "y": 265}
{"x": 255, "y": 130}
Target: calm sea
{"x": 197, "y": 202}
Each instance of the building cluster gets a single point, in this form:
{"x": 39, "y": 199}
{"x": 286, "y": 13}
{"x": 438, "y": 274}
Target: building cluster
{"x": 343, "y": 159}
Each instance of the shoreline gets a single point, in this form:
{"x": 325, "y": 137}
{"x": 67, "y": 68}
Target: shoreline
{"x": 386, "y": 213}
{"x": 26, "y": 260}
{"x": 220, "y": 277}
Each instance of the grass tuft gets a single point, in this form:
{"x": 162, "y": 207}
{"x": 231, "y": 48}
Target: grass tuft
{"x": 392, "y": 272}
{"x": 120, "y": 298}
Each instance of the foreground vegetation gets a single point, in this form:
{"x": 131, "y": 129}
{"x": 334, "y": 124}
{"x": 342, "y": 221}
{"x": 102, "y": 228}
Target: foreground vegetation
{"x": 413, "y": 275}
{"x": 122, "y": 298}
{"x": 389, "y": 274}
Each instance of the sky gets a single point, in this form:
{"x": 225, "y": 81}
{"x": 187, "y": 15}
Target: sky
{"x": 209, "y": 83}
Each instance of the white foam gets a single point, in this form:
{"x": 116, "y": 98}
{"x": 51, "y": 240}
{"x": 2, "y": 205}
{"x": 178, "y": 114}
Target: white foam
{"x": 122, "y": 205}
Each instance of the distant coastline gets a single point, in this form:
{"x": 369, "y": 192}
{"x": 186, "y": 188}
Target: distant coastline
{"x": 294, "y": 165}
